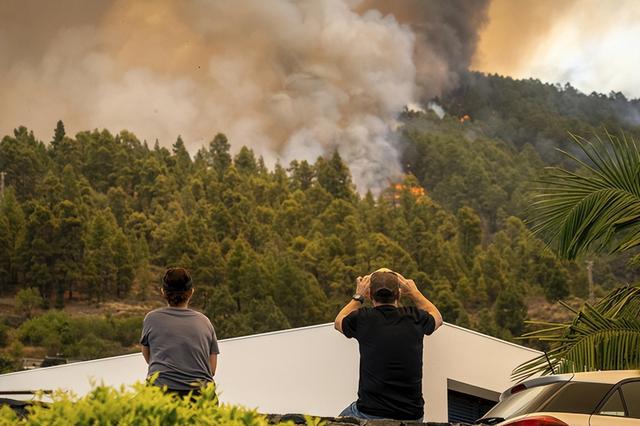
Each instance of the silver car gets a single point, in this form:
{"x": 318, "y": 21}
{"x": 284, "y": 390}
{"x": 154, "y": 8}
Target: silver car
{"x": 602, "y": 398}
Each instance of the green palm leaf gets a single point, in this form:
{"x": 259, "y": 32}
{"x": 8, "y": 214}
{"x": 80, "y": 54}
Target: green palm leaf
{"x": 605, "y": 336}
{"x": 598, "y": 210}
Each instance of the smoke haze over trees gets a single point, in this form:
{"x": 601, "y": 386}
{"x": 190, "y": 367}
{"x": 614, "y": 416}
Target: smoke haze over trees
{"x": 292, "y": 79}
{"x": 588, "y": 43}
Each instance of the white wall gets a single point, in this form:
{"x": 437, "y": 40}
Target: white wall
{"x": 312, "y": 370}
{"x": 457, "y": 354}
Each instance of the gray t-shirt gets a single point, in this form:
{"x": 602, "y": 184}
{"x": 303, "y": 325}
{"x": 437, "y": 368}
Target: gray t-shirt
{"x": 180, "y": 341}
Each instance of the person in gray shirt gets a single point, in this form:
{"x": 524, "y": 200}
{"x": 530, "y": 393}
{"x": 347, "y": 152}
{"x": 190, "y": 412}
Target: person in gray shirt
{"x": 179, "y": 343}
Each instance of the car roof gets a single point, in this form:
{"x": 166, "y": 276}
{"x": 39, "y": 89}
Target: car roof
{"x": 611, "y": 376}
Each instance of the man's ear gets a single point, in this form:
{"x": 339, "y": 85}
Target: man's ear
{"x": 162, "y": 291}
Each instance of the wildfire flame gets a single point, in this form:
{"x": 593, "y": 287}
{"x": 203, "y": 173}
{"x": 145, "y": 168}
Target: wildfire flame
{"x": 416, "y": 191}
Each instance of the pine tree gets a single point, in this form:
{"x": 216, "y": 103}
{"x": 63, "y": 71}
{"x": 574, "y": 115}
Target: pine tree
{"x": 298, "y": 294}
{"x": 118, "y": 204}
{"x": 470, "y": 233}
{"x": 12, "y": 233}
{"x": 302, "y": 175}
{"x": 58, "y": 135}
{"x": 333, "y": 175}
{"x": 24, "y": 160}
{"x": 246, "y": 276}
{"x": 69, "y": 182}
{"x": 224, "y": 314}
{"x": 5, "y": 253}
{"x": 447, "y": 302}
{"x": 219, "y": 152}
{"x": 265, "y": 315}
{"x": 123, "y": 262}
{"x": 182, "y": 161}
{"x": 100, "y": 269}
{"x": 245, "y": 161}
{"x": 69, "y": 250}
{"x": 510, "y": 310}
{"x": 39, "y": 250}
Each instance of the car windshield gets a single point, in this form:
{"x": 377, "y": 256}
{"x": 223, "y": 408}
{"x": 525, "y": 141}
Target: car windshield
{"x": 523, "y": 402}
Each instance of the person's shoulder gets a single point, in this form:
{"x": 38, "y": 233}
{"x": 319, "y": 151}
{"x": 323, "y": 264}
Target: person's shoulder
{"x": 199, "y": 314}
{"x": 363, "y": 312}
{"x": 412, "y": 311}
{"x": 202, "y": 317}
{"x": 154, "y": 313}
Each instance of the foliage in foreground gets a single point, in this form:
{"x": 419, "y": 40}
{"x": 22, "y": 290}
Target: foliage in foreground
{"x": 139, "y": 405}
{"x": 605, "y": 336}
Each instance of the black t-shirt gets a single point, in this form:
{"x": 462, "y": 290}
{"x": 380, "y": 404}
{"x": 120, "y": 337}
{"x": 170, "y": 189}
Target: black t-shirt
{"x": 390, "y": 341}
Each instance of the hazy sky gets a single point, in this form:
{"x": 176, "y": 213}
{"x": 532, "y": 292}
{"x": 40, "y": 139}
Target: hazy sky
{"x": 292, "y": 79}
{"x": 594, "y": 44}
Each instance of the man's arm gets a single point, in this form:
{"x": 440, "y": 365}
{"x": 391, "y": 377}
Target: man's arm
{"x": 410, "y": 289}
{"x": 213, "y": 361}
{"x": 362, "y": 288}
{"x": 145, "y": 353}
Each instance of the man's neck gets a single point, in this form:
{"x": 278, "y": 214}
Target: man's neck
{"x": 376, "y": 304}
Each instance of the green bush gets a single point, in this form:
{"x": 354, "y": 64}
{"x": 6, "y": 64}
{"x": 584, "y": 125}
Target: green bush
{"x": 4, "y": 334}
{"x": 138, "y": 405}
{"x": 27, "y": 300}
{"x": 92, "y": 347}
{"x": 45, "y": 330}
{"x": 7, "y": 364}
{"x": 80, "y": 337}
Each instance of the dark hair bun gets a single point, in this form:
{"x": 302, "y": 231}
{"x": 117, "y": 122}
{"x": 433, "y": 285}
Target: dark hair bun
{"x": 177, "y": 279}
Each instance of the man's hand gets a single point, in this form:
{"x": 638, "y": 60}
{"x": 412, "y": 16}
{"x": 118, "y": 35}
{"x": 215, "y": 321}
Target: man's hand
{"x": 362, "y": 285}
{"x": 409, "y": 287}
{"x": 362, "y": 288}
{"x": 146, "y": 353}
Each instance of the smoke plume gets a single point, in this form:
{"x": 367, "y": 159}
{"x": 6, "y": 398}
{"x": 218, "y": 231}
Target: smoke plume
{"x": 590, "y": 43}
{"x": 291, "y": 79}
{"x": 447, "y": 33}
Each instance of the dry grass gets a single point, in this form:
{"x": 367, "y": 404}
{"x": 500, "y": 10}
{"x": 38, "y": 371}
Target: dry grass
{"x": 541, "y": 310}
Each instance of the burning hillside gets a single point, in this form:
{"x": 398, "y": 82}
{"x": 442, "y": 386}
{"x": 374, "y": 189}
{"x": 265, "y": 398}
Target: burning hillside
{"x": 291, "y": 79}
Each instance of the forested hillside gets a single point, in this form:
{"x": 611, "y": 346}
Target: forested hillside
{"x": 540, "y": 114}
{"x": 93, "y": 218}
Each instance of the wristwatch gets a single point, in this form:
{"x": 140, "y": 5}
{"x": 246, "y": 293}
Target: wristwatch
{"x": 358, "y": 298}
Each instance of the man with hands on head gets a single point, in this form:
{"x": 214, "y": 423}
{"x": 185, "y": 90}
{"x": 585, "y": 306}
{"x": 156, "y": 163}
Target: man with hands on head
{"x": 390, "y": 338}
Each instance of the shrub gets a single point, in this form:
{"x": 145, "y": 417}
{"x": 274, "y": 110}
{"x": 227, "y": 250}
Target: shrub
{"x": 4, "y": 334}
{"x": 45, "y": 330}
{"x": 80, "y": 337}
{"x": 7, "y": 364}
{"x": 92, "y": 347}
{"x": 27, "y": 300}
{"x": 138, "y": 405}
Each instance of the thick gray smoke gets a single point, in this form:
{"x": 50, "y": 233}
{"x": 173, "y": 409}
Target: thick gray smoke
{"x": 292, "y": 79}
{"x": 447, "y": 34}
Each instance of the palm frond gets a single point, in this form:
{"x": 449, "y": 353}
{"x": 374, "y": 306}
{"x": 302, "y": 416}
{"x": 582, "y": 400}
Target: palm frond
{"x": 623, "y": 302}
{"x": 605, "y": 336}
{"x": 598, "y": 210}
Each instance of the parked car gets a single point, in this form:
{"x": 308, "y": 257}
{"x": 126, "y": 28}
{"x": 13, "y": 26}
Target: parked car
{"x": 602, "y": 398}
